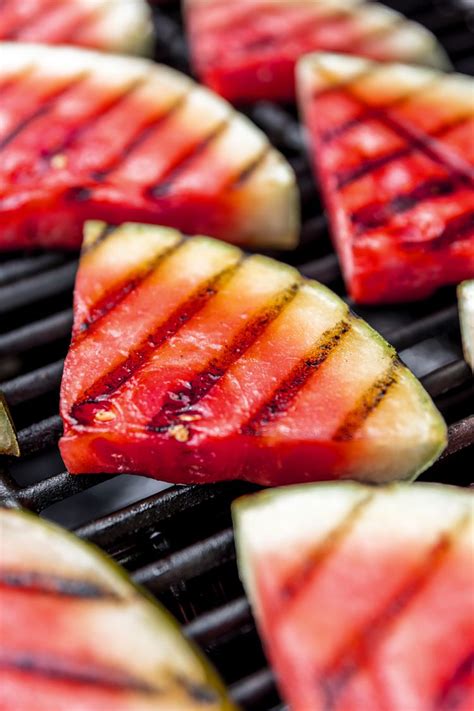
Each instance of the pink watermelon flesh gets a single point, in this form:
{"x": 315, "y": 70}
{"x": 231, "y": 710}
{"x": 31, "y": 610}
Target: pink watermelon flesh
{"x": 113, "y": 25}
{"x": 85, "y": 135}
{"x": 247, "y": 50}
{"x": 394, "y": 152}
{"x": 364, "y": 597}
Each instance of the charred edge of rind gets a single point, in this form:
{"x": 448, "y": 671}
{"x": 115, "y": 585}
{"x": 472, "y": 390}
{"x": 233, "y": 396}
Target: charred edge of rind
{"x": 294, "y": 586}
{"x": 358, "y": 651}
{"x": 110, "y": 300}
{"x": 5, "y": 414}
{"x": 293, "y": 383}
{"x": 162, "y": 188}
{"x": 369, "y": 402}
{"x": 376, "y": 215}
{"x": 107, "y": 384}
{"x": 454, "y": 692}
{"x": 33, "y": 581}
{"x": 93, "y": 675}
{"x": 205, "y": 380}
{"x": 250, "y": 169}
{"x": 199, "y": 692}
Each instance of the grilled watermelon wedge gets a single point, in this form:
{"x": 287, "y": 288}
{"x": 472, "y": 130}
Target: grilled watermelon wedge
{"x": 113, "y": 25}
{"x": 78, "y": 635}
{"x": 466, "y": 319}
{"x": 247, "y": 49}
{"x": 364, "y": 596}
{"x": 191, "y": 362}
{"x": 8, "y": 441}
{"x": 394, "y": 151}
{"x": 83, "y": 134}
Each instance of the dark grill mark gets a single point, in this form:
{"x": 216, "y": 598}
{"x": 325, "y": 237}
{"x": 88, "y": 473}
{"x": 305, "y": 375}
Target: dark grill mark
{"x": 350, "y": 175}
{"x": 457, "y": 688}
{"x": 198, "y": 692}
{"x": 376, "y": 215}
{"x": 116, "y": 295}
{"x": 166, "y": 183}
{"x": 181, "y": 402}
{"x": 247, "y": 172}
{"x": 296, "y": 379}
{"x": 369, "y": 401}
{"x": 97, "y": 396}
{"x": 457, "y": 229}
{"x": 79, "y": 193}
{"x": 316, "y": 558}
{"x": 105, "y": 234}
{"x": 143, "y": 133}
{"x": 44, "y": 665}
{"x": 357, "y": 653}
{"x": 45, "y": 583}
{"x": 15, "y": 31}
{"x": 47, "y": 106}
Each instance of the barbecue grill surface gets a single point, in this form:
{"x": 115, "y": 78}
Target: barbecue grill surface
{"x": 178, "y": 541}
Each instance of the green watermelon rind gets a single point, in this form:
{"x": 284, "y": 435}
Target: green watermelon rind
{"x": 465, "y": 293}
{"x": 8, "y": 440}
{"x": 120, "y": 583}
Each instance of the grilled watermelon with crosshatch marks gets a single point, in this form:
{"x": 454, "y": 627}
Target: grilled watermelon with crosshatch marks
{"x": 113, "y": 25}
{"x": 393, "y": 148}
{"x": 77, "y": 634}
{"x": 89, "y": 135}
{"x": 208, "y": 364}
{"x": 247, "y": 49}
{"x": 364, "y": 596}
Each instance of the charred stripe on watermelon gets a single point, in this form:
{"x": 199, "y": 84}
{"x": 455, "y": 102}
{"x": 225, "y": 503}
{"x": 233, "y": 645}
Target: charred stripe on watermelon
{"x": 100, "y": 393}
{"x": 455, "y": 690}
{"x": 30, "y": 580}
{"x": 358, "y": 652}
{"x": 179, "y": 403}
{"x": 296, "y": 380}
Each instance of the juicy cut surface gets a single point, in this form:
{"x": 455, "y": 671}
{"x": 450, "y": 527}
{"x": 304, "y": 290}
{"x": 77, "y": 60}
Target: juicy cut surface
{"x": 89, "y": 135}
{"x": 208, "y": 364}
{"x": 247, "y": 50}
{"x": 364, "y": 596}
{"x": 393, "y": 148}
{"x": 77, "y": 634}
{"x": 113, "y": 25}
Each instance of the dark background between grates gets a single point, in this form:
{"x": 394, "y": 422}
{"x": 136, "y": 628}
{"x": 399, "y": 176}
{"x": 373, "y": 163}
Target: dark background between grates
{"x": 178, "y": 541}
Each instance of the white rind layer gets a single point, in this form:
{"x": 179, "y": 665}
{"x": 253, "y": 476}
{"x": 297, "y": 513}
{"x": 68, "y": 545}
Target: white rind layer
{"x": 466, "y": 319}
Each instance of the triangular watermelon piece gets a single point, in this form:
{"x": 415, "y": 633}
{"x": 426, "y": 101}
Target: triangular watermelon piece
{"x": 113, "y": 25}
{"x": 90, "y": 135}
{"x": 393, "y": 147}
{"x": 191, "y": 362}
{"x": 364, "y": 596}
{"x": 247, "y": 49}
{"x": 77, "y": 635}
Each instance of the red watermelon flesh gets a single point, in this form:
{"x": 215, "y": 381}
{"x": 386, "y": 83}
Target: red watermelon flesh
{"x": 113, "y": 25}
{"x": 86, "y": 135}
{"x": 77, "y": 635}
{"x": 247, "y": 50}
{"x": 210, "y": 365}
{"x": 393, "y": 148}
{"x": 364, "y": 596}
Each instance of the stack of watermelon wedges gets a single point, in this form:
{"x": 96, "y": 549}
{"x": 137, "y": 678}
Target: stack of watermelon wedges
{"x": 194, "y": 361}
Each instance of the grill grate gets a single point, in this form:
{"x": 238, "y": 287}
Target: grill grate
{"x": 178, "y": 541}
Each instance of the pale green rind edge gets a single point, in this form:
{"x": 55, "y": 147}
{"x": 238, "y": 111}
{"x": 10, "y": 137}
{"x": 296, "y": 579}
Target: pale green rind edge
{"x": 162, "y": 616}
{"x": 466, "y": 321}
{"x": 8, "y": 440}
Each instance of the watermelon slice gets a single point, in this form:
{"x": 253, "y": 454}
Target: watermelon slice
{"x": 77, "y": 635}
{"x": 466, "y": 319}
{"x": 393, "y": 147}
{"x": 209, "y": 365}
{"x": 247, "y": 49}
{"x": 113, "y": 25}
{"x": 84, "y": 134}
{"x": 364, "y": 596}
{"x": 8, "y": 440}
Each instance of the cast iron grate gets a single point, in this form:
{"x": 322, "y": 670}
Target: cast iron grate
{"x": 178, "y": 540}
